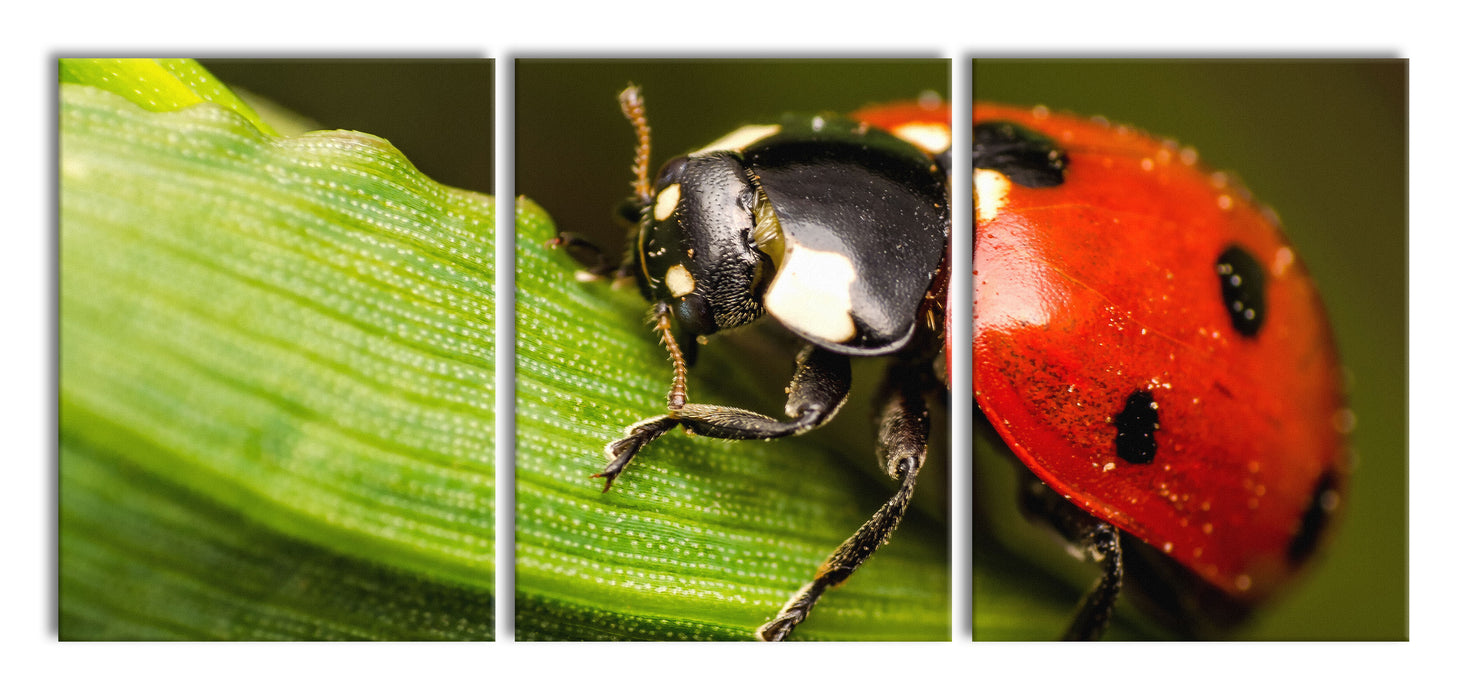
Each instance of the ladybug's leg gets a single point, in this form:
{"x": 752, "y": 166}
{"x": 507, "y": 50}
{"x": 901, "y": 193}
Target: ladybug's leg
{"x": 595, "y": 264}
{"x": 1094, "y": 538}
{"x": 902, "y": 444}
{"x": 818, "y": 390}
{"x": 594, "y": 261}
{"x": 1091, "y": 618}
{"x": 621, "y": 452}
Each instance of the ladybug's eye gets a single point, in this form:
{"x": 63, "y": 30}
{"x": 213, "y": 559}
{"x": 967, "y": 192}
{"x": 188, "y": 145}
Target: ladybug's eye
{"x": 672, "y": 172}
{"x": 694, "y": 316}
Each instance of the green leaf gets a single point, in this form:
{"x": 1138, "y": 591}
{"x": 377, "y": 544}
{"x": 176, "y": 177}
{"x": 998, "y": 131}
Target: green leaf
{"x": 699, "y": 538}
{"x": 157, "y": 84}
{"x": 277, "y": 367}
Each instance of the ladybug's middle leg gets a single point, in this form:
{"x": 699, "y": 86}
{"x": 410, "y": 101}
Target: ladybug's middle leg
{"x": 902, "y": 445}
{"x": 1095, "y": 538}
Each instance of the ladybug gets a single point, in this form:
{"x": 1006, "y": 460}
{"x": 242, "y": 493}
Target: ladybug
{"x": 1153, "y": 351}
{"x": 835, "y": 229}
{"x": 1145, "y": 341}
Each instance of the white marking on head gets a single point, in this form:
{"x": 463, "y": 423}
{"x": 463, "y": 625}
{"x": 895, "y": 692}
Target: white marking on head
{"x": 811, "y": 294}
{"x": 739, "y": 139}
{"x": 679, "y": 281}
{"x": 932, "y": 138}
{"x": 667, "y": 201}
{"x": 991, "y": 194}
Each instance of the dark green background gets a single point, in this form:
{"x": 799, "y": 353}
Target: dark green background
{"x": 439, "y": 113}
{"x": 1324, "y": 144}
{"x": 573, "y": 148}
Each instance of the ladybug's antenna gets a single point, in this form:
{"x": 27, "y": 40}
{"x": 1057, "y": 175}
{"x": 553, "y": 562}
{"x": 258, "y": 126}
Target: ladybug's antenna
{"x": 636, "y": 112}
{"x": 663, "y": 325}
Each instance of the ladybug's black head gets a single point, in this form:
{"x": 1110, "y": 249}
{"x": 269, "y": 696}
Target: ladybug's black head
{"x": 700, "y": 246}
{"x": 833, "y": 227}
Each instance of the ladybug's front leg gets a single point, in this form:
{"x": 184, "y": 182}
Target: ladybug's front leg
{"x": 818, "y": 390}
{"x": 902, "y": 445}
{"x": 1095, "y": 538}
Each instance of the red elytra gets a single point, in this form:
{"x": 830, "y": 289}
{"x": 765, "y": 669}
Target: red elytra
{"x": 1107, "y": 284}
{"x": 913, "y": 121}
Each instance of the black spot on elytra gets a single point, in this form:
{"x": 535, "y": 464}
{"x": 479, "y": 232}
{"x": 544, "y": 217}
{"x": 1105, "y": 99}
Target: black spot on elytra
{"x": 1317, "y": 515}
{"x": 1136, "y": 428}
{"x": 1242, "y": 279}
{"x": 1025, "y": 156}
